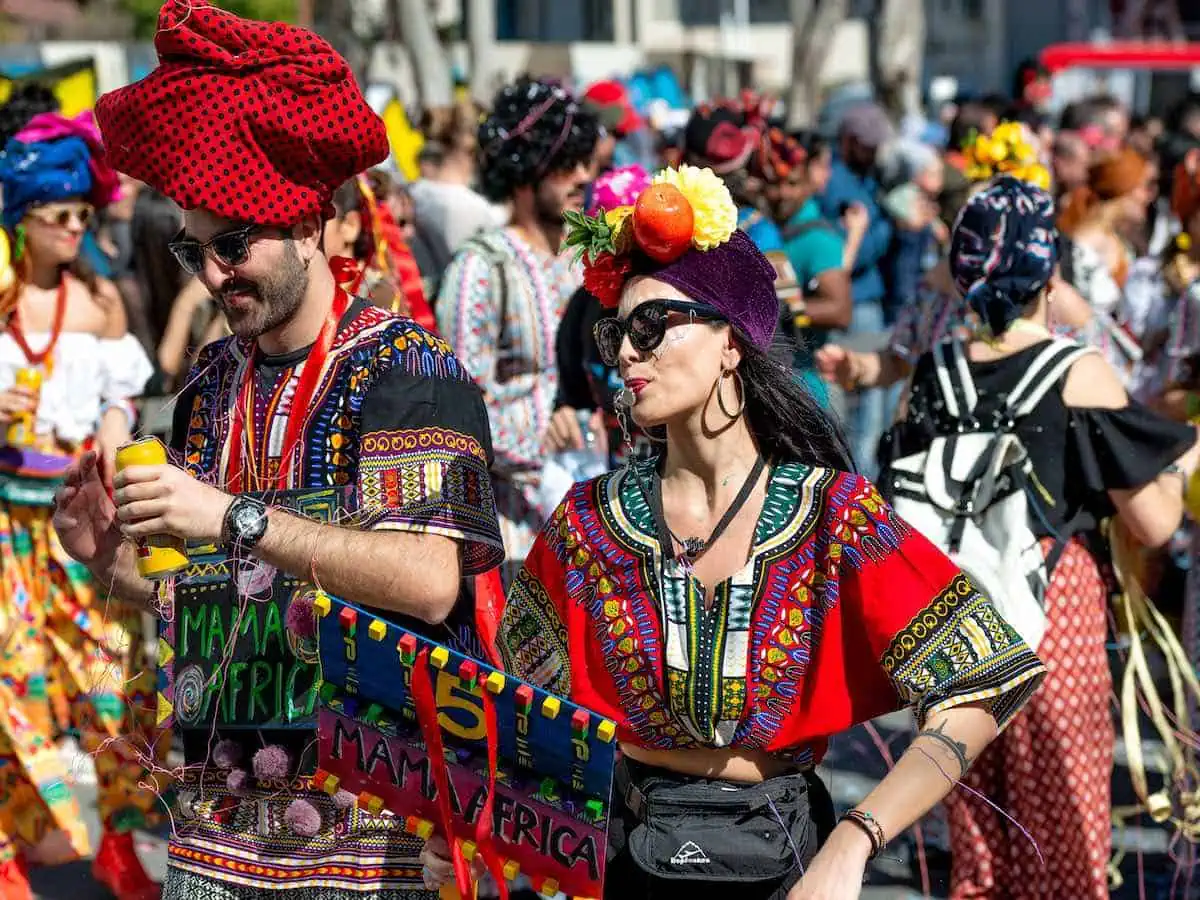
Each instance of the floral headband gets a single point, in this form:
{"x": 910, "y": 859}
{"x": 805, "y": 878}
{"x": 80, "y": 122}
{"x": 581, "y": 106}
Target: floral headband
{"x": 682, "y": 209}
{"x": 1007, "y": 151}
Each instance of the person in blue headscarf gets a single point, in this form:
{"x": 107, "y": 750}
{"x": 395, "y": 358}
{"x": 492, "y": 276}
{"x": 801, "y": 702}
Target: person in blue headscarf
{"x": 1094, "y": 452}
{"x": 68, "y": 374}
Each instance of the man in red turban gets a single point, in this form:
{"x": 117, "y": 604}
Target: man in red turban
{"x": 251, "y": 127}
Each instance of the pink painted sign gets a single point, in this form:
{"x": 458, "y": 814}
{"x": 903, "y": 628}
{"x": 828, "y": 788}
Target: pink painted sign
{"x": 533, "y": 823}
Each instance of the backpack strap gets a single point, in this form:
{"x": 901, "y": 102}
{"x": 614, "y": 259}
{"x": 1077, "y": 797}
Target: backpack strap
{"x": 498, "y": 262}
{"x": 1047, "y": 370}
{"x": 955, "y": 383}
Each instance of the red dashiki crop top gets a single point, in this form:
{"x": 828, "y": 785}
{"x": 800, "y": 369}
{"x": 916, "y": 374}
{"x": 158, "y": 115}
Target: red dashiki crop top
{"x": 842, "y": 613}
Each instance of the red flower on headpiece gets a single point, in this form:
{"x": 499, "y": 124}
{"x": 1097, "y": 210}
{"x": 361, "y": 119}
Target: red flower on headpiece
{"x": 604, "y": 277}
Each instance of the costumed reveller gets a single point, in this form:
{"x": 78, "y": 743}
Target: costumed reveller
{"x": 814, "y": 248}
{"x": 251, "y": 127}
{"x": 1095, "y": 217}
{"x": 369, "y": 255}
{"x": 942, "y": 310}
{"x": 1094, "y": 453}
{"x": 724, "y": 137}
{"x": 503, "y": 297}
{"x": 68, "y": 373}
{"x": 742, "y": 597}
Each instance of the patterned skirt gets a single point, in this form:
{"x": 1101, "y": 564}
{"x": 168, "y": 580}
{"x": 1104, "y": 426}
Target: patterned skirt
{"x": 68, "y": 662}
{"x": 1051, "y": 769}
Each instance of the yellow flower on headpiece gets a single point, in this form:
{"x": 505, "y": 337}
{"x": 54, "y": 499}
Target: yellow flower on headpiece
{"x": 713, "y": 206}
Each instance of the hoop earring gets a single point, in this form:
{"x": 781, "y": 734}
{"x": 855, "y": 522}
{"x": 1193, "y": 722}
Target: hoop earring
{"x": 738, "y": 388}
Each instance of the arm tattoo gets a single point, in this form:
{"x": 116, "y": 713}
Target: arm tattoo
{"x": 958, "y": 749}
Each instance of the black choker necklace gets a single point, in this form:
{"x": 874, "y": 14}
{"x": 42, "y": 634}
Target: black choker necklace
{"x": 693, "y": 547}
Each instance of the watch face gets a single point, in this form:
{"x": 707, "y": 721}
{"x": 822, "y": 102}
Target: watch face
{"x": 247, "y": 520}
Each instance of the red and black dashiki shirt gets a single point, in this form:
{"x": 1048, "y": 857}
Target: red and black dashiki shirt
{"x": 842, "y": 613}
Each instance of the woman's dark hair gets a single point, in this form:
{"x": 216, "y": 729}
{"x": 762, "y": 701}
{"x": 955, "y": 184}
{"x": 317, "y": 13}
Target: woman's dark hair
{"x": 159, "y": 279}
{"x": 23, "y": 104}
{"x": 813, "y": 143}
{"x": 535, "y": 128}
{"x": 783, "y": 416}
{"x": 347, "y": 199}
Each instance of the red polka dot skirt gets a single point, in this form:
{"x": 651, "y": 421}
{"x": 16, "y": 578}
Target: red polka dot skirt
{"x": 1051, "y": 769}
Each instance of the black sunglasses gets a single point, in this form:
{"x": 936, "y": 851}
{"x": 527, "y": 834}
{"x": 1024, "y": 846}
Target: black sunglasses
{"x": 231, "y": 248}
{"x": 646, "y": 326}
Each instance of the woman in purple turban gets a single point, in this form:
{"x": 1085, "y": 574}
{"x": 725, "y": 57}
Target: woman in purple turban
{"x": 742, "y": 596}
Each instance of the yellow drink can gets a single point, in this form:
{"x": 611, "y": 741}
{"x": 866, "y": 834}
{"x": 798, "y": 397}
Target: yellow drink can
{"x": 160, "y": 555}
{"x": 20, "y": 431}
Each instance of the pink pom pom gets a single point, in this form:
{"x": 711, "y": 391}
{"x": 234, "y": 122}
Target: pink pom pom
{"x": 617, "y": 188}
{"x": 227, "y": 754}
{"x": 301, "y": 618}
{"x": 344, "y": 800}
{"x": 272, "y": 763}
{"x": 238, "y": 783}
{"x": 302, "y": 817}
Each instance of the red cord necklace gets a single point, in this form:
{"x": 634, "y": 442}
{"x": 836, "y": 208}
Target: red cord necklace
{"x": 18, "y": 334}
{"x": 242, "y": 453}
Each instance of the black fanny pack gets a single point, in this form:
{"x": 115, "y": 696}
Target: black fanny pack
{"x": 718, "y": 831}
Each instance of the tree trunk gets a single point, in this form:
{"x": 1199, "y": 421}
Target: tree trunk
{"x": 430, "y": 66}
{"x": 897, "y": 54}
{"x": 334, "y": 21}
{"x": 481, "y": 44}
{"x": 814, "y": 24}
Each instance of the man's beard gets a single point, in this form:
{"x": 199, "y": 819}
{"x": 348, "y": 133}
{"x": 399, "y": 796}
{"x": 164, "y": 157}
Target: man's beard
{"x": 276, "y": 297}
{"x": 549, "y": 209}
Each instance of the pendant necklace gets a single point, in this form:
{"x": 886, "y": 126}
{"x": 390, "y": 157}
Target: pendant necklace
{"x": 694, "y": 547}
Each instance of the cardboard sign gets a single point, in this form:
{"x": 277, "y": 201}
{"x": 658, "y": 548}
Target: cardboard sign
{"x": 226, "y": 653}
{"x": 554, "y": 759}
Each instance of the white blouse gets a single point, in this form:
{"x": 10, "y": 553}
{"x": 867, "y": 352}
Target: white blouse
{"x": 88, "y": 375}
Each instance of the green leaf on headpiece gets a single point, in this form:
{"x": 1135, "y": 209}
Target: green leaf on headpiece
{"x": 590, "y": 235}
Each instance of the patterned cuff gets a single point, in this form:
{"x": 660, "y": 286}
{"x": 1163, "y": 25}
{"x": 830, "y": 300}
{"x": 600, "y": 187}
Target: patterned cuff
{"x": 959, "y": 650}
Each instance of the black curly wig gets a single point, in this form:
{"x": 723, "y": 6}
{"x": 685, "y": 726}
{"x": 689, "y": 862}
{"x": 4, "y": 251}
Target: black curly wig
{"x": 26, "y": 101}
{"x": 534, "y": 128}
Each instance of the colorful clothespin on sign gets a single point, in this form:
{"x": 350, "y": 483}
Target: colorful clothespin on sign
{"x": 407, "y": 647}
{"x": 523, "y": 698}
{"x": 468, "y": 674}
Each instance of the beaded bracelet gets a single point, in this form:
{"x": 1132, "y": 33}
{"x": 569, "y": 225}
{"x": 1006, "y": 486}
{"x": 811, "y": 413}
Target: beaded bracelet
{"x": 870, "y": 826}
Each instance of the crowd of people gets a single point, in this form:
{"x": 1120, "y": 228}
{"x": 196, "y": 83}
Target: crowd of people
{"x": 643, "y": 383}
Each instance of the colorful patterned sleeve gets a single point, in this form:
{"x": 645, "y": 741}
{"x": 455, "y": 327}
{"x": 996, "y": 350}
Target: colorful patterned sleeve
{"x": 424, "y": 453}
{"x": 533, "y": 634}
{"x": 469, "y": 320}
{"x": 938, "y": 640}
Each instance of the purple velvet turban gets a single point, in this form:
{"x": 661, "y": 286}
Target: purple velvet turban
{"x": 735, "y": 278}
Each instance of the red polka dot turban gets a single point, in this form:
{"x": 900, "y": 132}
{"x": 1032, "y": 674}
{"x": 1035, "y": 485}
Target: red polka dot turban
{"x": 258, "y": 122}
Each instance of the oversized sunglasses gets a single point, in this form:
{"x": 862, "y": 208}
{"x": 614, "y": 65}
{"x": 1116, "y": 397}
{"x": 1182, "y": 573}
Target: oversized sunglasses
{"x": 646, "y": 326}
{"x": 62, "y": 215}
{"x": 230, "y": 248}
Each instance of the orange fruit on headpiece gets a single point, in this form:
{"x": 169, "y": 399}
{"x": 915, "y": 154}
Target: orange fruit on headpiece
{"x": 662, "y": 222}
